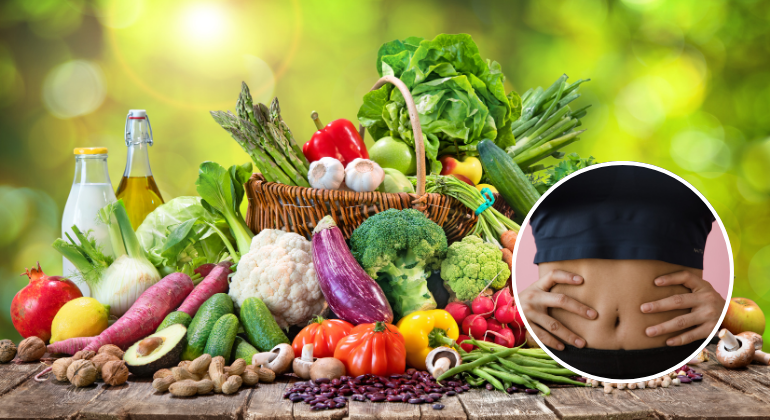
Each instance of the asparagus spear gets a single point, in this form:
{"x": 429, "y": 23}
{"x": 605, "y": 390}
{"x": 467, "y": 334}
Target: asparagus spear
{"x": 262, "y": 115}
{"x": 275, "y": 112}
{"x": 543, "y": 151}
{"x": 244, "y": 104}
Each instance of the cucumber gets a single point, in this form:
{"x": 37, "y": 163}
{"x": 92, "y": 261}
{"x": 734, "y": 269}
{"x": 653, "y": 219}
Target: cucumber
{"x": 222, "y": 337}
{"x": 175, "y": 317}
{"x": 243, "y": 350}
{"x": 512, "y": 184}
{"x": 208, "y": 314}
{"x": 261, "y": 329}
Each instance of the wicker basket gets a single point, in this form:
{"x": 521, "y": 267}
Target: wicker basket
{"x": 298, "y": 209}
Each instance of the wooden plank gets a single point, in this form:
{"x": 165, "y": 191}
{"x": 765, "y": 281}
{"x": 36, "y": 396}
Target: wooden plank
{"x": 46, "y": 400}
{"x": 589, "y": 403}
{"x": 453, "y": 410}
{"x": 137, "y": 399}
{"x": 754, "y": 380}
{"x": 708, "y": 399}
{"x": 488, "y": 405}
{"x": 383, "y": 410}
{"x": 302, "y": 411}
{"x": 267, "y": 402}
{"x": 13, "y": 374}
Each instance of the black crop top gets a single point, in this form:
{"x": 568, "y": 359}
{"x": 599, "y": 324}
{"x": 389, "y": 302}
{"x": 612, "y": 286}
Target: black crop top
{"x": 622, "y": 212}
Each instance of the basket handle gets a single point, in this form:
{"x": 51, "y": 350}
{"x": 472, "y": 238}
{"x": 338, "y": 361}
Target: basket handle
{"x": 418, "y": 142}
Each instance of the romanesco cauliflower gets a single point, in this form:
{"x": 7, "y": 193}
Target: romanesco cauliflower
{"x": 279, "y": 270}
{"x": 470, "y": 265}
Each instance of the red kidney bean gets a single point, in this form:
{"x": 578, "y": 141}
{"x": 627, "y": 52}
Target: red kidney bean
{"x": 684, "y": 379}
{"x": 450, "y": 393}
{"x": 393, "y": 398}
{"x": 428, "y": 400}
{"x": 414, "y": 401}
{"x": 358, "y": 397}
{"x": 295, "y": 398}
{"x": 531, "y": 391}
{"x": 377, "y": 398}
{"x": 511, "y": 390}
{"x": 490, "y": 387}
{"x": 438, "y": 406}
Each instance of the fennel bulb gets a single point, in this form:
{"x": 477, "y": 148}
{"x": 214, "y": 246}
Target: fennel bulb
{"x": 118, "y": 281}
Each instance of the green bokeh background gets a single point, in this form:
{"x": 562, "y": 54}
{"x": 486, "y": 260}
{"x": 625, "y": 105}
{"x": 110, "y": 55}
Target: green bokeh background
{"x": 684, "y": 85}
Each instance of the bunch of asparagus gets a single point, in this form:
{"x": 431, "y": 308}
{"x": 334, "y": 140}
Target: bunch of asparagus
{"x": 547, "y": 123}
{"x": 264, "y": 135}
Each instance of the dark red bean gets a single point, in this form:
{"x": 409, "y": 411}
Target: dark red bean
{"x": 377, "y": 398}
{"x": 336, "y": 382}
{"x": 435, "y": 395}
{"x": 459, "y": 389}
{"x": 438, "y": 406}
{"x": 358, "y": 397}
{"x": 428, "y": 400}
{"x": 393, "y": 398}
{"x": 466, "y": 387}
{"x": 322, "y": 380}
{"x": 341, "y": 404}
{"x": 411, "y": 371}
{"x": 512, "y": 389}
{"x": 490, "y": 387}
{"x": 295, "y": 398}
{"x": 684, "y": 379}
{"x": 450, "y": 393}
{"x": 531, "y": 391}
{"x": 415, "y": 401}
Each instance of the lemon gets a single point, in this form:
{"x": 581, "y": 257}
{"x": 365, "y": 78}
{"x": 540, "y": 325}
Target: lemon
{"x": 81, "y": 317}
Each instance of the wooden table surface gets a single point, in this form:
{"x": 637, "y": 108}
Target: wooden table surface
{"x": 722, "y": 394}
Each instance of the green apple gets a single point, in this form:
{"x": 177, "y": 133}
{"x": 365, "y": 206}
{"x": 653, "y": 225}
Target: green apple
{"x": 391, "y": 153}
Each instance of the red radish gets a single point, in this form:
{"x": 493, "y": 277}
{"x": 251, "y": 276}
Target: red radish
{"x": 459, "y": 311}
{"x": 505, "y": 337}
{"x": 502, "y": 297}
{"x": 494, "y": 325}
{"x": 520, "y": 336}
{"x": 204, "y": 269}
{"x": 483, "y": 305}
{"x": 475, "y": 325}
{"x": 506, "y": 314}
{"x": 34, "y": 307}
{"x": 215, "y": 282}
{"x": 465, "y": 346}
{"x": 141, "y": 319}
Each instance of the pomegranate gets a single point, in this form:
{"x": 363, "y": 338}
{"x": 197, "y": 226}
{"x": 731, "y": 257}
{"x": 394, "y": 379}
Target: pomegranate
{"x": 34, "y": 306}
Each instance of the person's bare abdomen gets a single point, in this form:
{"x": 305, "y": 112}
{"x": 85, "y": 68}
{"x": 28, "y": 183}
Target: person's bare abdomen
{"x": 616, "y": 289}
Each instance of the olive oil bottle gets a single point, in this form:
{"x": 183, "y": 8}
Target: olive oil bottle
{"x": 137, "y": 188}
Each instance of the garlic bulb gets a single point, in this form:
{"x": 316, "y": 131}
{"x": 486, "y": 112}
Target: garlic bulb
{"x": 326, "y": 173}
{"x": 363, "y": 175}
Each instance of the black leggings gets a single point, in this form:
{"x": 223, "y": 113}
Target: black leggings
{"x": 625, "y": 364}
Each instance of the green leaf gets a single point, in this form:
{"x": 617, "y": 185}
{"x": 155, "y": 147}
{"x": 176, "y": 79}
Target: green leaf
{"x": 179, "y": 238}
{"x": 239, "y": 175}
{"x": 215, "y": 186}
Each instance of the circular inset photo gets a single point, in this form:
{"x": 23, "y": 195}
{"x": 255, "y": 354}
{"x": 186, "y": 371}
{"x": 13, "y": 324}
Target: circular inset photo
{"x": 622, "y": 272}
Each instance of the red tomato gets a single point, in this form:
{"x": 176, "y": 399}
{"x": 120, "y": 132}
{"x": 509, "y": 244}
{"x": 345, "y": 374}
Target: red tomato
{"x": 376, "y": 349}
{"x": 324, "y": 334}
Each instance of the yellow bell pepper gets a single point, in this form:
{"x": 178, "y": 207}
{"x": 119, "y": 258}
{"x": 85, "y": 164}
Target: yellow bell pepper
{"x": 425, "y": 330}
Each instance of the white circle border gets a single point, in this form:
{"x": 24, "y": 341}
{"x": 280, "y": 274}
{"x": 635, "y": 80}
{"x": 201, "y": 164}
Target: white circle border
{"x": 724, "y": 234}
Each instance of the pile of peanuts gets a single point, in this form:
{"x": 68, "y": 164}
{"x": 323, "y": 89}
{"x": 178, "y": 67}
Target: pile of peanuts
{"x": 683, "y": 375}
{"x": 206, "y": 374}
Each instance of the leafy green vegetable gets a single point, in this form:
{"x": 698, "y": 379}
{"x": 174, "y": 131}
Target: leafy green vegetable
{"x": 399, "y": 249}
{"x": 460, "y": 97}
{"x": 471, "y": 265}
{"x": 571, "y": 163}
{"x": 177, "y": 237}
{"x": 222, "y": 192}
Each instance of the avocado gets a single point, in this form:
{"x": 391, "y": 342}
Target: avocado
{"x": 166, "y": 355}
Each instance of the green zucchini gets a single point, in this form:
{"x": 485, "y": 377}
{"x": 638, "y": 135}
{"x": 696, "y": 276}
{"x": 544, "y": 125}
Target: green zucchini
{"x": 198, "y": 332}
{"x": 511, "y": 182}
{"x": 261, "y": 328}
{"x": 222, "y": 337}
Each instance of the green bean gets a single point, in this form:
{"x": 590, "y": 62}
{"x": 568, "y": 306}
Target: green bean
{"x": 465, "y": 367}
{"x": 507, "y": 384}
{"x": 474, "y": 382}
{"x": 537, "y": 373}
{"x": 489, "y": 378}
{"x": 532, "y": 361}
{"x": 507, "y": 376}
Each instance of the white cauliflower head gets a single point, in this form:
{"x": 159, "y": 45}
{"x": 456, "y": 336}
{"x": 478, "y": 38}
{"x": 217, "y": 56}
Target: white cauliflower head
{"x": 278, "y": 269}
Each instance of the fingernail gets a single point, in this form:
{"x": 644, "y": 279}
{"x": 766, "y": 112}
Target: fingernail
{"x": 670, "y": 342}
{"x": 577, "y": 279}
{"x": 650, "y": 331}
{"x": 646, "y": 307}
{"x": 591, "y": 313}
{"x": 658, "y": 282}
{"x": 560, "y": 346}
{"x": 579, "y": 343}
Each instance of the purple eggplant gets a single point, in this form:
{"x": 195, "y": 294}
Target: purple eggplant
{"x": 349, "y": 291}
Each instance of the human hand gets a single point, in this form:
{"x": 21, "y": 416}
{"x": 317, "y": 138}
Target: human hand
{"x": 537, "y": 298}
{"x": 704, "y": 302}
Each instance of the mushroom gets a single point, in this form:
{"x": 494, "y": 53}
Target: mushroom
{"x": 441, "y": 359}
{"x": 302, "y": 365}
{"x": 278, "y": 359}
{"x": 734, "y": 352}
{"x": 759, "y": 356}
{"x": 327, "y": 367}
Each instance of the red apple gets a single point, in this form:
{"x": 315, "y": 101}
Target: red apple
{"x": 744, "y": 315}
{"x": 468, "y": 170}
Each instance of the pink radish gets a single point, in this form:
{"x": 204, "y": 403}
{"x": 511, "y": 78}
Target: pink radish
{"x": 465, "y": 346}
{"x": 505, "y": 337}
{"x": 215, "y": 282}
{"x": 204, "y": 269}
{"x": 459, "y": 311}
{"x": 475, "y": 325}
{"x": 141, "y": 320}
{"x": 483, "y": 305}
{"x": 502, "y": 297}
{"x": 494, "y": 325}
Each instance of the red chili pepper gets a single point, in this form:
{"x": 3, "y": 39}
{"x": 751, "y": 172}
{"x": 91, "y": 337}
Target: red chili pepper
{"x": 339, "y": 139}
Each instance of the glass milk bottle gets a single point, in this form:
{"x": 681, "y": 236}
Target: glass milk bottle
{"x": 137, "y": 188}
{"x": 91, "y": 190}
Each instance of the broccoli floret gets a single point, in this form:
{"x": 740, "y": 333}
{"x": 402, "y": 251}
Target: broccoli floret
{"x": 399, "y": 249}
{"x": 470, "y": 265}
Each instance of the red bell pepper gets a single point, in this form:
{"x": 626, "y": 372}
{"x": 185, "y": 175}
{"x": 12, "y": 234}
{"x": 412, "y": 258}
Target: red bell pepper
{"x": 339, "y": 139}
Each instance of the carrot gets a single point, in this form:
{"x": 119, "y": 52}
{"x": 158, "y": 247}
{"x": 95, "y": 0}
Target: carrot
{"x": 141, "y": 319}
{"x": 215, "y": 282}
{"x": 508, "y": 239}
{"x": 508, "y": 257}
